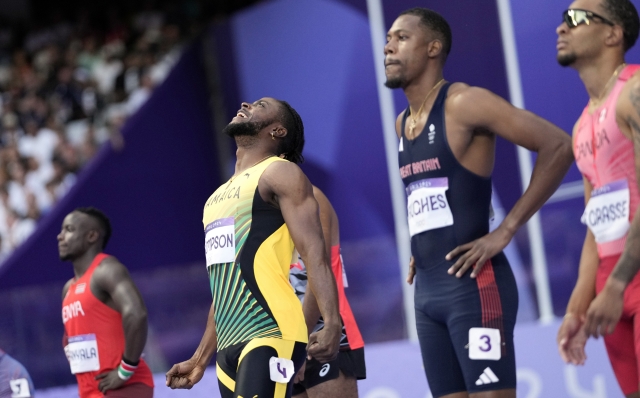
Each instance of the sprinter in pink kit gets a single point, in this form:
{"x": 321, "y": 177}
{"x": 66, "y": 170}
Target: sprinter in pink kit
{"x": 593, "y": 39}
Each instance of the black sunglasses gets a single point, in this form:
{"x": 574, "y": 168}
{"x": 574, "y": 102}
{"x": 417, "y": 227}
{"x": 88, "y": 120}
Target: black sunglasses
{"x": 574, "y": 17}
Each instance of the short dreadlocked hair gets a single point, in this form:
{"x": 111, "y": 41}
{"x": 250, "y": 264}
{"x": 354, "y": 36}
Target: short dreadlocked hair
{"x": 624, "y": 13}
{"x": 292, "y": 144}
{"x": 101, "y": 218}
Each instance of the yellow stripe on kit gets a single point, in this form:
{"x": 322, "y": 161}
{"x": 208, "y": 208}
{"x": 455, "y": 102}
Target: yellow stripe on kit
{"x": 225, "y": 379}
{"x": 284, "y": 348}
{"x": 272, "y": 277}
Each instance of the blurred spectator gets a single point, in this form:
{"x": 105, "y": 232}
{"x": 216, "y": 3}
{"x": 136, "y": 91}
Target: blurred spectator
{"x": 141, "y": 94}
{"x": 10, "y": 131}
{"x": 15, "y": 382}
{"x": 68, "y": 86}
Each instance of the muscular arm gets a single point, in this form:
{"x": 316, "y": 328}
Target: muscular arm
{"x": 209, "y": 342}
{"x": 572, "y": 337}
{"x": 285, "y": 185}
{"x": 605, "y": 311}
{"x": 476, "y": 109}
{"x": 629, "y": 263}
{"x": 481, "y": 109}
{"x": 112, "y": 278}
{"x": 585, "y": 289}
{"x": 186, "y": 374}
{"x": 310, "y": 306}
{"x": 65, "y": 289}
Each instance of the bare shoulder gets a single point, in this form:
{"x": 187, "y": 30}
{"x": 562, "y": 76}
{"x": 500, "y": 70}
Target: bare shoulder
{"x": 282, "y": 173}
{"x": 477, "y": 107}
{"x": 634, "y": 80}
{"x": 630, "y": 94}
{"x": 110, "y": 271}
{"x": 464, "y": 95}
{"x": 319, "y": 195}
{"x": 283, "y": 179}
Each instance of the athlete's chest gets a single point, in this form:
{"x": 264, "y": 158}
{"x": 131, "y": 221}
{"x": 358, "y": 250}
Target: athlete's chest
{"x": 80, "y": 302}
{"x": 235, "y": 196}
{"x": 599, "y": 142}
{"x": 424, "y": 155}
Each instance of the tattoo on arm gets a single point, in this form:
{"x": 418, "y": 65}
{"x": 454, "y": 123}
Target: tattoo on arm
{"x": 629, "y": 263}
{"x": 634, "y": 97}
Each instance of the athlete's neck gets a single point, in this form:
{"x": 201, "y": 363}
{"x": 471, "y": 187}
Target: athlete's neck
{"x": 597, "y": 76}
{"x": 418, "y": 90}
{"x": 249, "y": 157}
{"x": 82, "y": 263}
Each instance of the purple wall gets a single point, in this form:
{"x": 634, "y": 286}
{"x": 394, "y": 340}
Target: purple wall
{"x": 317, "y": 55}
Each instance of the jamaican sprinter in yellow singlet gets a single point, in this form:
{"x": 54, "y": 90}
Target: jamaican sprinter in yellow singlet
{"x": 251, "y": 223}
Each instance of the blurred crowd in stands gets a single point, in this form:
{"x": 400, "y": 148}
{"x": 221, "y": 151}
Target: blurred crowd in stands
{"x": 66, "y": 87}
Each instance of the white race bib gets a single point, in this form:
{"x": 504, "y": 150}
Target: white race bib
{"x": 607, "y": 213}
{"x": 280, "y": 369}
{"x": 485, "y": 343}
{"x": 427, "y": 205}
{"x": 220, "y": 241}
{"x": 20, "y": 388}
{"x": 82, "y": 353}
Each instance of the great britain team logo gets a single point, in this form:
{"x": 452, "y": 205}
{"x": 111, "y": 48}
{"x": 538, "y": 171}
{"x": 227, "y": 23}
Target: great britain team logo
{"x": 432, "y": 134}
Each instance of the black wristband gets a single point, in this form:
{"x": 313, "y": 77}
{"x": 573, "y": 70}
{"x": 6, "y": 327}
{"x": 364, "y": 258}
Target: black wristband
{"x": 130, "y": 363}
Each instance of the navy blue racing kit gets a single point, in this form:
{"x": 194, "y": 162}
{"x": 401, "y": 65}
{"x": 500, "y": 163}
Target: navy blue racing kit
{"x": 465, "y": 325}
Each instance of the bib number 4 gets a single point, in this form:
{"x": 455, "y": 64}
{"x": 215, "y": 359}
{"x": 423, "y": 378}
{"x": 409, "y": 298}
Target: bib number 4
{"x": 281, "y": 370}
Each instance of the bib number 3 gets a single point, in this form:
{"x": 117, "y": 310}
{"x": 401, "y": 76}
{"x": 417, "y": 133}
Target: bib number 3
{"x": 485, "y": 343}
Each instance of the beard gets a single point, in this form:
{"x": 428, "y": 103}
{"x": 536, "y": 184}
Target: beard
{"x": 566, "y": 59}
{"x": 68, "y": 256}
{"x": 244, "y": 129}
{"x": 395, "y": 82}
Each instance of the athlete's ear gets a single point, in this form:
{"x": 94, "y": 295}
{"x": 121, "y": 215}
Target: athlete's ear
{"x": 434, "y": 48}
{"x": 93, "y": 236}
{"x": 615, "y": 36}
{"x": 279, "y": 132}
